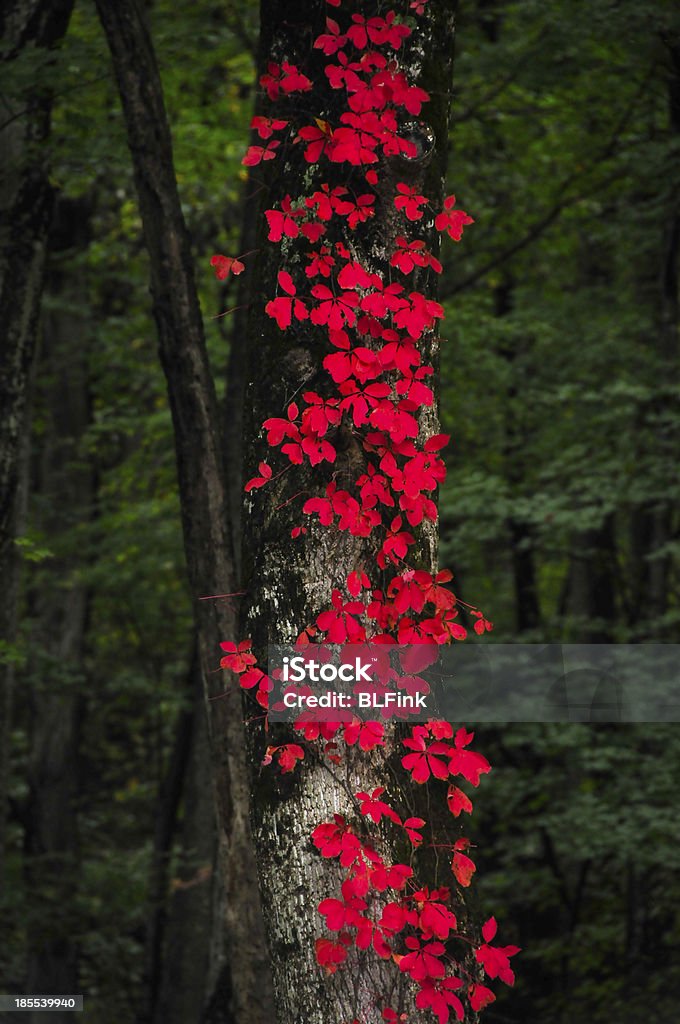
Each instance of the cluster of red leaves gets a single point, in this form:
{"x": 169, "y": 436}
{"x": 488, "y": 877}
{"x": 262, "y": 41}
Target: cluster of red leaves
{"x": 381, "y": 907}
{"x": 372, "y": 326}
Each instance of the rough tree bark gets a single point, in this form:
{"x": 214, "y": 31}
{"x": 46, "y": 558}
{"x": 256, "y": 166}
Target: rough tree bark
{"x": 239, "y": 971}
{"x": 287, "y": 583}
{"x": 26, "y": 199}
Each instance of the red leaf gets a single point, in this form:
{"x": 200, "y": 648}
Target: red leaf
{"x": 463, "y": 868}
{"x": 480, "y": 996}
{"x": 256, "y": 154}
{"x": 410, "y": 201}
{"x": 317, "y": 138}
{"x": 496, "y": 961}
{"x": 411, "y": 826}
{"x": 289, "y": 754}
{"x": 330, "y": 954}
{"x": 266, "y": 126}
{"x": 458, "y": 801}
{"x": 368, "y": 734}
{"x": 260, "y": 481}
{"x": 452, "y": 221}
{"x": 436, "y": 442}
{"x": 286, "y": 282}
{"x": 422, "y": 963}
{"x": 224, "y": 265}
{"x": 293, "y": 80}
{"x": 356, "y": 581}
{"x": 436, "y": 920}
{"x": 330, "y": 42}
{"x": 441, "y": 999}
{"x": 467, "y": 763}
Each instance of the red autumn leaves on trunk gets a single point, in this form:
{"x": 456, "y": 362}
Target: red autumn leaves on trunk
{"x": 371, "y": 327}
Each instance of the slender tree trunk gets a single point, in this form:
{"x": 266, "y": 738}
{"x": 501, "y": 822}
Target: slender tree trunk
{"x": 241, "y": 967}
{"x": 26, "y": 198}
{"x": 167, "y": 811}
{"x": 287, "y": 583}
{"x": 185, "y": 955}
{"x": 238, "y": 359}
{"x": 61, "y": 505}
{"x": 592, "y": 583}
{"x": 527, "y": 605}
{"x": 593, "y": 598}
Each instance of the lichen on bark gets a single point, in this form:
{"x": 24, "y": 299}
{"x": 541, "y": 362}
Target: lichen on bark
{"x": 287, "y": 582}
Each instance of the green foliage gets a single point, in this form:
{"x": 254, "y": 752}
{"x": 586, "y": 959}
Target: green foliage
{"x": 559, "y": 383}
{"x": 580, "y": 851}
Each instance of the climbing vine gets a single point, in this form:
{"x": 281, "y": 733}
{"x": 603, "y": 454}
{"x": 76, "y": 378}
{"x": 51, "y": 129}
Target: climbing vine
{"x": 373, "y": 327}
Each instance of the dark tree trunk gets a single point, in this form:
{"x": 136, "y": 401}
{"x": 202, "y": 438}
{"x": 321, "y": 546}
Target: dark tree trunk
{"x": 184, "y": 980}
{"x": 241, "y": 962}
{"x": 527, "y": 609}
{"x": 527, "y": 606}
{"x": 288, "y": 583}
{"x": 167, "y": 810}
{"x": 593, "y": 583}
{"x": 238, "y": 359}
{"x": 61, "y": 505}
{"x": 26, "y": 199}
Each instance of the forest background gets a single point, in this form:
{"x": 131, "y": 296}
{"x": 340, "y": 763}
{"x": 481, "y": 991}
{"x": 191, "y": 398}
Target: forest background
{"x": 559, "y": 515}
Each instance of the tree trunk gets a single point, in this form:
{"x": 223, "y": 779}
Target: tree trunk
{"x": 183, "y": 962}
{"x": 167, "y": 811}
{"x": 521, "y": 535}
{"x": 592, "y": 586}
{"x": 238, "y": 358}
{"x": 593, "y": 583}
{"x": 61, "y": 505}
{"x": 241, "y": 967}
{"x": 288, "y": 583}
{"x": 26, "y": 198}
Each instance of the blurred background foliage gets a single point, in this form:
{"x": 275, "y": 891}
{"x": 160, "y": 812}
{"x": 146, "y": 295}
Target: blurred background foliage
{"x": 559, "y": 515}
